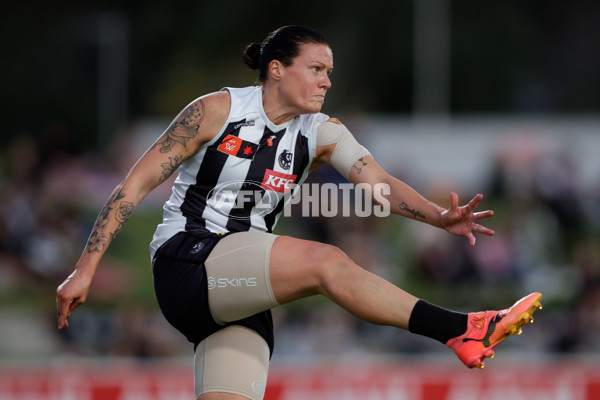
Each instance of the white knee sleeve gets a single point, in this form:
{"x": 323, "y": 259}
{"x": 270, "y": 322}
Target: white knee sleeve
{"x": 233, "y": 360}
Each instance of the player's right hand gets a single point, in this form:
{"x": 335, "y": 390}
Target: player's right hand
{"x": 71, "y": 294}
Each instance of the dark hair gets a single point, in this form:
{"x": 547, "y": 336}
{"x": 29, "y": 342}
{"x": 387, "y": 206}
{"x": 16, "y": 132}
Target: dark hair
{"x": 283, "y": 44}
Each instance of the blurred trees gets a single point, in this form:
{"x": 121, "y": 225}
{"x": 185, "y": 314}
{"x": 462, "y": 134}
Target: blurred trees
{"x": 506, "y": 57}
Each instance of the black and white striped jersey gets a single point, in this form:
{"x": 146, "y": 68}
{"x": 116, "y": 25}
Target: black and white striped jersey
{"x": 240, "y": 180}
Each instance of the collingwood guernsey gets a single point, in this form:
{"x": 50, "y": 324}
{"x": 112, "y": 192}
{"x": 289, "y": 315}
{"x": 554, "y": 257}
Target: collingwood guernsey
{"x": 240, "y": 180}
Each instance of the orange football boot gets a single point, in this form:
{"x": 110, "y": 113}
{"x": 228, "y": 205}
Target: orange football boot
{"x": 486, "y": 329}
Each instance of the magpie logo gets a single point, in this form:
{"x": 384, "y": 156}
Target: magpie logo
{"x": 285, "y": 159}
{"x": 197, "y": 248}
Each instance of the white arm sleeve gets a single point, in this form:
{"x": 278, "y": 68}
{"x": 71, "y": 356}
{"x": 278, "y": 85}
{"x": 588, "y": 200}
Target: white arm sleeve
{"x": 347, "y": 150}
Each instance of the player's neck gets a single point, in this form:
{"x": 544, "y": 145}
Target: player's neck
{"x": 275, "y": 107}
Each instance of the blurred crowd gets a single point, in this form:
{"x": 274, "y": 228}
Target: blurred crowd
{"x": 547, "y": 239}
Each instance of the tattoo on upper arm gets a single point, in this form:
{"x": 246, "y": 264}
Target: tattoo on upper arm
{"x": 184, "y": 128}
{"x": 415, "y": 213}
{"x": 99, "y": 239}
{"x": 169, "y": 167}
{"x": 359, "y": 168}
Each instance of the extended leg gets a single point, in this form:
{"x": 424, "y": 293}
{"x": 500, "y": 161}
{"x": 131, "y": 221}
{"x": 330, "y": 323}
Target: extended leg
{"x": 292, "y": 269}
{"x": 301, "y": 268}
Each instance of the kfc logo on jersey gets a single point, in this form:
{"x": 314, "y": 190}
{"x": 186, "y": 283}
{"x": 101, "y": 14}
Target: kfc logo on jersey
{"x": 237, "y": 147}
{"x": 277, "y": 181}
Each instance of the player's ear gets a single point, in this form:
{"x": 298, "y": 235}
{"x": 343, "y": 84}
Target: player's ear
{"x": 276, "y": 69}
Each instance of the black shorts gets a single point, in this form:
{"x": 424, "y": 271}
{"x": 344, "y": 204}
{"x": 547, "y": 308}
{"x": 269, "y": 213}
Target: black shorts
{"x": 181, "y": 288}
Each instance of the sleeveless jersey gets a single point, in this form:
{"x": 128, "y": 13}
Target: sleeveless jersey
{"x": 241, "y": 179}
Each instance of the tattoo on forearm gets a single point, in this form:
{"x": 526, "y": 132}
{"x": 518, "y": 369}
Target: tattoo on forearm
{"x": 415, "y": 213}
{"x": 359, "y": 168}
{"x": 169, "y": 167}
{"x": 184, "y": 128}
{"x": 99, "y": 239}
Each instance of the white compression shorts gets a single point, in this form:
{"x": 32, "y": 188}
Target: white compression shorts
{"x": 347, "y": 149}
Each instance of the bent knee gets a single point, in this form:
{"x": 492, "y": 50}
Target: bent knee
{"x": 332, "y": 263}
{"x": 302, "y": 268}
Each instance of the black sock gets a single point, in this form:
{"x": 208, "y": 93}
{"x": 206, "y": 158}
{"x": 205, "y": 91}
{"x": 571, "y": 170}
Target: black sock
{"x": 436, "y": 322}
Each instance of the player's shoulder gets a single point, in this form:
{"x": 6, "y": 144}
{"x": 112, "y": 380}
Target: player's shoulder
{"x": 210, "y": 112}
{"x": 213, "y": 106}
{"x": 334, "y": 121}
{"x": 216, "y": 100}
{"x": 311, "y": 122}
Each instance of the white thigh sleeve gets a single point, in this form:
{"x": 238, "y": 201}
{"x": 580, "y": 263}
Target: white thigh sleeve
{"x": 239, "y": 284}
{"x": 347, "y": 149}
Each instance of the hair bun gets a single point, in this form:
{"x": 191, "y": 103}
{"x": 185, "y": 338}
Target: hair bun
{"x": 251, "y": 55}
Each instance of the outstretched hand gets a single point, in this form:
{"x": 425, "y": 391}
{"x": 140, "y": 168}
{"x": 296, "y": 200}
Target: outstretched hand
{"x": 462, "y": 221}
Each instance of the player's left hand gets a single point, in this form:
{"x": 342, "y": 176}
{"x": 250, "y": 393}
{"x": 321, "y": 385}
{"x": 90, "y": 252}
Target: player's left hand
{"x": 462, "y": 221}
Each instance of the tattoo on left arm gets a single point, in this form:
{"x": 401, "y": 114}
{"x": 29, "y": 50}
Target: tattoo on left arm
{"x": 415, "y": 213}
{"x": 359, "y": 168}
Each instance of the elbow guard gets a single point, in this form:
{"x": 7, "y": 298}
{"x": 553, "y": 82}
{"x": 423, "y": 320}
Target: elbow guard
{"x": 347, "y": 150}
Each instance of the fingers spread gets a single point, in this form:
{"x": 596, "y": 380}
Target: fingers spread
{"x": 482, "y": 214}
{"x": 474, "y": 202}
{"x": 482, "y": 229}
{"x": 453, "y": 200}
{"x": 472, "y": 239}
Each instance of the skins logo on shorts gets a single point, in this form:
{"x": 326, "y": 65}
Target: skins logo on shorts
{"x": 277, "y": 181}
{"x": 220, "y": 283}
{"x": 237, "y": 147}
{"x": 259, "y": 387}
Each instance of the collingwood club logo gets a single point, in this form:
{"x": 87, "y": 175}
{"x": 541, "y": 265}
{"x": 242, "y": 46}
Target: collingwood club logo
{"x": 285, "y": 159}
{"x": 197, "y": 248}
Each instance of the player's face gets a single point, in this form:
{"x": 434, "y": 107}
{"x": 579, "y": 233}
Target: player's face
{"x": 305, "y": 82}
